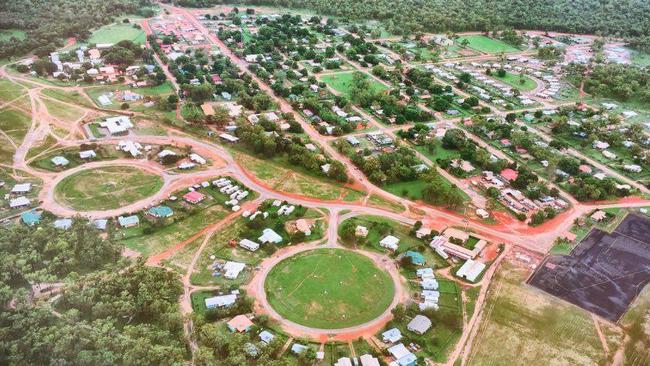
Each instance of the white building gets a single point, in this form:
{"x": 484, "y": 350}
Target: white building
{"x": 470, "y": 270}
{"x": 390, "y": 242}
{"x": 249, "y": 244}
{"x": 269, "y": 236}
{"x": 233, "y": 269}
{"x": 117, "y": 125}
{"x": 220, "y": 301}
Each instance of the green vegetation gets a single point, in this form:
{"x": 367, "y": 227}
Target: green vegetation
{"x": 106, "y": 188}
{"x": 514, "y": 80}
{"x": 7, "y": 34}
{"x": 637, "y": 351}
{"x": 306, "y": 290}
{"x": 538, "y": 328}
{"x": 117, "y": 32}
{"x": 342, "y": 83}
{"x": 14, "y": 124}
{"x": 61, "y": 111}
{"x": 104, "y": 152}
{"x": 486, "y": 44}
{"x": 10, "y": 91}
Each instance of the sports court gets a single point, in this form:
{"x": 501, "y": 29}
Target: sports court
{"x": 605, "y": 272}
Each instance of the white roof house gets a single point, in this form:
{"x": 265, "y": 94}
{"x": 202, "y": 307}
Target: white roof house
{"x": 232, "y": 269}
{"x": 368, "y": 360}
{"x": 128, "y": 221}
{"x": 249, "y": 244}
{"x": 60, "y": 161}
{"x": 420, "y": 324}
{"x": 343, "y": 361}
{"x": 470, "y": 270}
{"x": 63, "y": 224}
{"x": 402, "y": 355}
{"x": 361, "y": 231}
{"x": 298, "y": 348}
{"x": 390, "y": 242}
{"x": 228, "y": 137}
{"x": 220, "y": 301}
{"x": 19, "y": 202}
{"x": 429, "y": 284}
{"x": 391, "y": 336}
{"x": 197, "y": 158}
{"x": 165, "y": 153}
{"x": 21, "y": 188}
{"x": 87, "y": 154}
{"x": 117, "y": 125}
{"x": 269, "y": 236}
{"x": 266, "y": 336}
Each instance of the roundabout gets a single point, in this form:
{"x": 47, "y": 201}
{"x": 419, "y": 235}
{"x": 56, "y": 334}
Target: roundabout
{"x": 106, "y": 188}
{"x": 329, "y": 289}
{"x": 327, "y": 292}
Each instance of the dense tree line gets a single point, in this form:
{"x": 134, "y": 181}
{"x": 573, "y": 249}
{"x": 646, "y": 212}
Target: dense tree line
{"x": 622, "y": 82}
{"x": 49, "y": 23}
{"x": 628, "y": 18}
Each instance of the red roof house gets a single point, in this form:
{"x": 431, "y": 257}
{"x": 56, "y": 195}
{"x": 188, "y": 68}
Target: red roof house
{"x": 216, "y": 79}
{"x": 509, "y": 174}
{"x": 193, "y": 197}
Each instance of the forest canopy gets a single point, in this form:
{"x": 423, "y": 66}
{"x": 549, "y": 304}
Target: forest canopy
{"x": 625, "y": 18}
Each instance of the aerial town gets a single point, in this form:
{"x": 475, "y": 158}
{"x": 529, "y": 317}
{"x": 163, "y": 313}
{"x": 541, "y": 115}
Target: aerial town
{"x": 193, "y": 183}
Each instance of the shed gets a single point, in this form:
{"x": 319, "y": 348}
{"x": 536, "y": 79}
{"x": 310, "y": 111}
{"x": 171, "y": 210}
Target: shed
{"x": 420, "y": 324}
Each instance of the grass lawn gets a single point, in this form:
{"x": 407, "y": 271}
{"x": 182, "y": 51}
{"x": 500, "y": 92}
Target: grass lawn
{"x": 14, "y": 124}
{"x": 104, "y": 152}
{"x": 342, "y": 82}
{"x": 7, "y": 34}
{"x": 106, "y": 188}
{"x": 73, "y": 97}
{"x": 487, "y": 44}
{"x": 181, "y": 228}
{"x": 282, "y": 177}
{"x": 640, "y": 58}
{"x": 637, "y": 351}
{"x": 10, "y": 91}
{"x": 62, "y": 111}
{"x": 513, "y": 80}
{"x": 438, "y": 152}
{"x": 305, "y": 290}
{"x": 117, "y": 32}
{"x": 538, "y": 328}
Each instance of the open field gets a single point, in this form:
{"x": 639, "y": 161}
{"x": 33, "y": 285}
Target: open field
{"x": 178, "y": 230}
{"x": 44, "y": 161}
{"x": 513, "y": 80}
{"x": 106, "y": 188}
{"x": 117, "y": 32}
{"x": 305, "y": 290}
{"x": 342, "y": 82}
{"x": 487, "y": 44}
{"x": 14, "y": 124}
{"x": 283, "y": 178}
{"x": 73, "y": 97}
{"x": 7, "y": 34}
{"x": 538, "y": 328}
{"x": 637, "y": 323}
{"x": 9, "y": 91}
{"x": 62, "y": 111}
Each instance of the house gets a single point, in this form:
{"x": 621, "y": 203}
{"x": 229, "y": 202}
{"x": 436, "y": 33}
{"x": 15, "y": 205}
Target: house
{"x": 100, "y": 224}
{"x": 228, "y": 138}
{"x": 266, "y": 337}
{"x": 391, "y": 336}
{"x": 131, "y": 147}
{"x": 343, "y": 361}
{"x": 270, "y": 236}
{"x": 21, "y": 201}
{"x": 233, "y": 269}
{"x": 240, "y": 324}
{"x": 403, "y": 357}
{"x": 470, "y": 270}
{"x": 165, "y": 153}
{"x": 197, "y": 159}
{"x": 193, "y": 197}
{"x": 482, "y": 213}
{"x": 509, "y": 174}
{"x": 87, "y": 154}
{"x": 352, "y": 140}
{"x": 128, "y": 221}
{"x": 368, "y": 360}
{"x": 220, "y": 301}
{"x": 297, "y": 348}
{"x": 420, "y": 324}
{"x": 60, "y": 161}
{"x": 425, "y": 273}
{"x": 599, "y": 215}
{"x": 416, "y": 258}
{"x": 390, "y": 242}
{"x": 160, "y": 211}
{"x": 609, "y": 154}
{"x": 21, "y": 188}
{"x": 30, "y": 218}
{"x": 117, "y": 125}
{"x": 600, "y": 145}
{"x": 361, "y": 231}
{"x": 303, "y": 226}
{"x": 632, "y": 168}
{"x": 63, "y": 224}
{"x": 249, "y": 244}
{"x": 422, "y": 232}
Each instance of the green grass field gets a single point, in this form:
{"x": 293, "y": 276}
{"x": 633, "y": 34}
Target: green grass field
{"x": 106, "y": 188}
{"x": 6, "y": 34}
{"x": 117, "y": 32}
{"x": 306, "y": 290}
{"x": 514, "y": 81}
{"x": 10, "y": 91}
{"x": 342, "y": 82}
{"x": 14, "y": 124}
{"x": 63, "y": 112}
{"x": 487, "y": 44}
